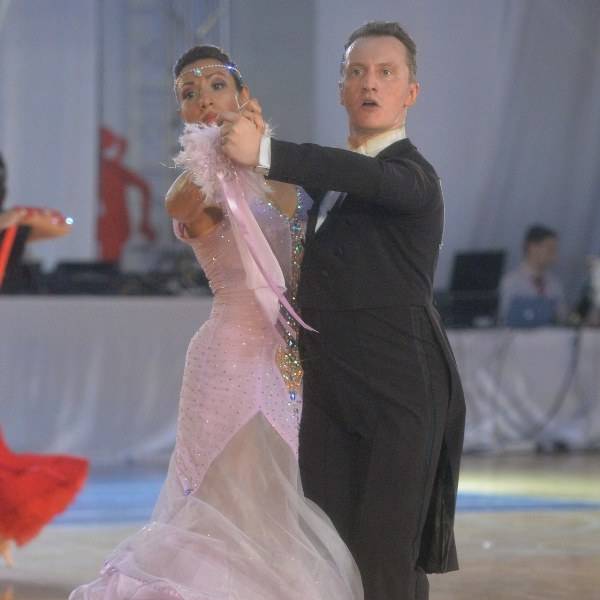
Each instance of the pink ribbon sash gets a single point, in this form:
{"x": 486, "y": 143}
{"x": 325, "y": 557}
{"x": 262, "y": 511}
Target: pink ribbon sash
{"x": 263, "y": 272}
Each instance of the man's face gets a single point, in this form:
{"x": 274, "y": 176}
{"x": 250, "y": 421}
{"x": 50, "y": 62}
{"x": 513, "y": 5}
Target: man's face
{"x": 376, "y": 89}
{"x": 544, "y": 254}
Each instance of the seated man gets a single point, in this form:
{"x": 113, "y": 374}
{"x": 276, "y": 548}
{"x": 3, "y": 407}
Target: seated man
{"x": 531, "y": 296}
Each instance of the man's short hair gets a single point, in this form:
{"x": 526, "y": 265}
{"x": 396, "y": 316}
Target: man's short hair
{"x": 537, "y": 234}
{"x": 386, "y": 28}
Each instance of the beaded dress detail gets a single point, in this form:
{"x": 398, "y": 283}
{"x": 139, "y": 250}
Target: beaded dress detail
{"x": 231, "y": 522}
{"x": 231, "y": 373}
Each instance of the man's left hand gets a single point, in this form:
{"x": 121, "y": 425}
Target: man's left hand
{"x": 240, "y": 136}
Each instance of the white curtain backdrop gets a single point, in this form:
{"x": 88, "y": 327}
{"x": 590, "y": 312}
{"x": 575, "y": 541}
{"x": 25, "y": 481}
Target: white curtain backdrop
{"x": 94, "y": 376}
{"x": 48, "y": 115}
{"x": 508, "y": 114}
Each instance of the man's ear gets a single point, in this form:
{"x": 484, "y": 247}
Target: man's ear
{"x": 341, "y": 91}
{"x": 413, "y": 92}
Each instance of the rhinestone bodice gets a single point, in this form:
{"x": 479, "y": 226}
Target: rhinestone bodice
{"x": 230, "y": 373}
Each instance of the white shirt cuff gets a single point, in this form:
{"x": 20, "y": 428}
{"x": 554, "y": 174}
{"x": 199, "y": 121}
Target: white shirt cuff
{"x": 264, "y": 155}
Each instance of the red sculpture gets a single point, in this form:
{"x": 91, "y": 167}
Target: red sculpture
{"x": 114, "y": 228}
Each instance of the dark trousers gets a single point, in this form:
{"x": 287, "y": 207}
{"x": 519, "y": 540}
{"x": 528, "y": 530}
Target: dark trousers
{"x": 376, "y": 390}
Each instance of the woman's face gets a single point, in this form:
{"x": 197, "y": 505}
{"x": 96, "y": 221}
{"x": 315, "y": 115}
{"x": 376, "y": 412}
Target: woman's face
{"x": 206, "y": 88}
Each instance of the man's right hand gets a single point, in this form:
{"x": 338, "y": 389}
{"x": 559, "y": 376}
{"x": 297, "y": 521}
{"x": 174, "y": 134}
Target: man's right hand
{"x": 241, "y": 133}
{"x": 253, "y": 111}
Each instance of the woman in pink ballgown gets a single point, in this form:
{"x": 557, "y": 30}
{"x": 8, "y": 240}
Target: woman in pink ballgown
{"x": 232, "y": 521}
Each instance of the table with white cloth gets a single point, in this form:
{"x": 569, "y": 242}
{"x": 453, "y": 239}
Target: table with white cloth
{"x": 530, "y": 389}
{"x": 100, "y": 377}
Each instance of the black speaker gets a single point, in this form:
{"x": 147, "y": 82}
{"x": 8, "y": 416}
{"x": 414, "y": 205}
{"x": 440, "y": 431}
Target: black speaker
{"x": 95, "y": 277}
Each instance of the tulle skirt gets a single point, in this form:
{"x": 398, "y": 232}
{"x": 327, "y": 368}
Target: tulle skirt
{"x": 246, "y": 533}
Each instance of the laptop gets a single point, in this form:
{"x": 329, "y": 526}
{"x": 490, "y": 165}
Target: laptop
{"x": 531, "y": 311}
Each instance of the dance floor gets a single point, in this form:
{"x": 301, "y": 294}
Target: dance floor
{"x": 528, "y": 527}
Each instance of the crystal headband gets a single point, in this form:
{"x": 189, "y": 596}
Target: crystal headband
{"x": 198, "y": 71}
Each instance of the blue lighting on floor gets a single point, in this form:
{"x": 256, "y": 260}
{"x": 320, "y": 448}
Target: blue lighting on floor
{"x": 471, "y": 502}
{"x": 128, "y": 496}
{"x": 121, "y": 496}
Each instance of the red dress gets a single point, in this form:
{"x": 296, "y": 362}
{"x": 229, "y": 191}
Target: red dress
{"x": 34, "y": 488}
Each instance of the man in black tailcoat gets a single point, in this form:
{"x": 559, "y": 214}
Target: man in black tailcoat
{"x": 383, "y": 416}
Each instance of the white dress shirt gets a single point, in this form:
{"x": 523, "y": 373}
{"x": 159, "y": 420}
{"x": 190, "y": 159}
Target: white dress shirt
{"x": 373, "y": 146}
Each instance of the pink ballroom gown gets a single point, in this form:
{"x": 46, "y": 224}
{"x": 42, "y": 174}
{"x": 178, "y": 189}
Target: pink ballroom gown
{"x": 231, "y": 522}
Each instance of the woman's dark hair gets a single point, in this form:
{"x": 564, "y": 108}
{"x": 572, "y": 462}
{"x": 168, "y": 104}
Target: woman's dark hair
{"x": 214, "y": 52}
